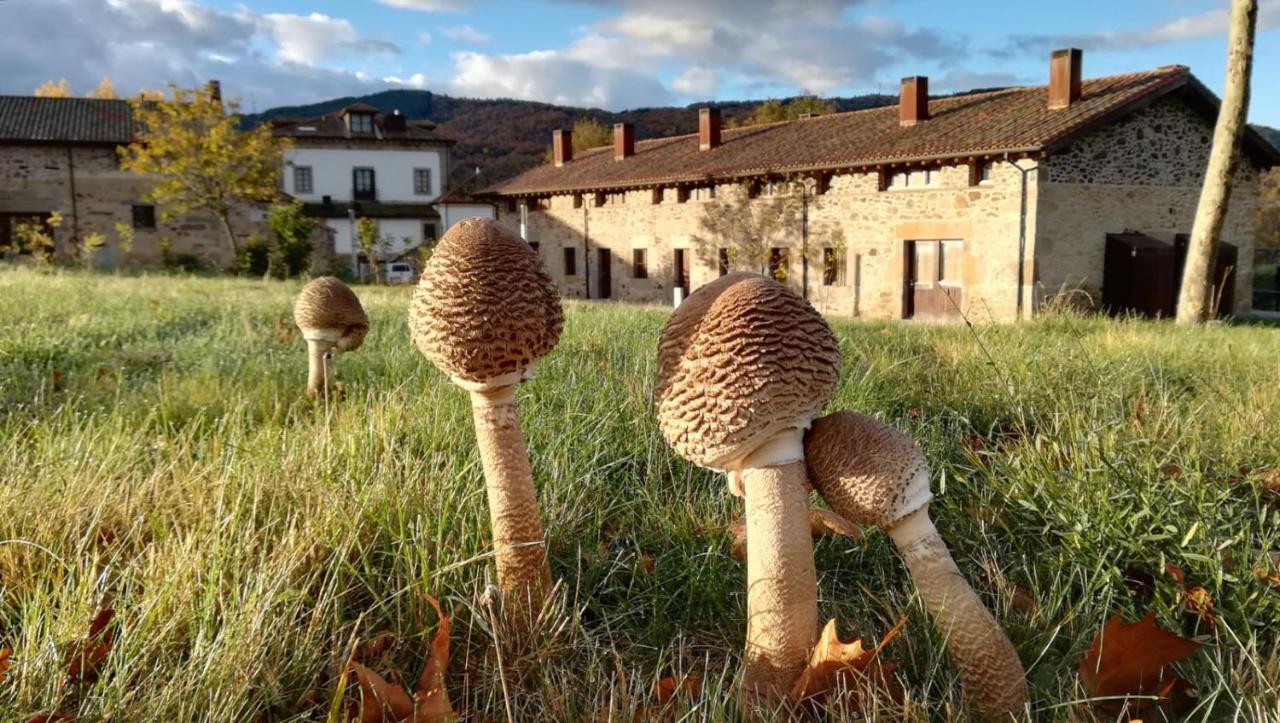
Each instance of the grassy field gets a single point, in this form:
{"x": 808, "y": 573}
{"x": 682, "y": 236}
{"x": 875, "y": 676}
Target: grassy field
{"x": 159, "y": 458}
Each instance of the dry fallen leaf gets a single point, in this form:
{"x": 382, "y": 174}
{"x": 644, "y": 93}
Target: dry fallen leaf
{"x": 51, "y": 718}
{"x": 1270, "y": 579}
{"x": 4, "y": 662}
{"x": 833, "y": 662}
{"x": 1198, "y": 601}
{"x": 1132, "y": 659}
{"x": 88, "y": 655}
{"x": 1022, "y": 601}
{"x": 666, "y": 690}
{"x": 382, "y": 701}
{"x": 821, "y": 524}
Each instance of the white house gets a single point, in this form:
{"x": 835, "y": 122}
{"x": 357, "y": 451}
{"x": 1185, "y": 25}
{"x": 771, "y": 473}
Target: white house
{"x": 359, "y": 162}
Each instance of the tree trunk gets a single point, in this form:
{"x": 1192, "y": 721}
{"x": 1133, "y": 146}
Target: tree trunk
{"x": 225, "y": 218}
{"x": 1195, "y": 300}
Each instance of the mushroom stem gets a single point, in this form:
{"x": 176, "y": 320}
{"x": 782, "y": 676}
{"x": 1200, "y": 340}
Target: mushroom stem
{"x": 989, "y": 666}
{"x": 782, "y": 585}
{"x": 320, "y": 374}
{"x": 519, "y": 547}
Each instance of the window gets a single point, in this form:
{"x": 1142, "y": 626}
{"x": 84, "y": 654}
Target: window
{"x": 639, "y": 264}
{"x": 724, "y": 261}
{"x": 914, "y": 179}
{"x": 361, "y": 122}
{"x": 950, "y": 255}
{"x": 430, "y": 235}
{"x": 422, "y": 181}
{"x": 984, "y": 171}
{"x": 362, "y": 184}
{"x": 144, "y": 216}
{"x": 612, "y": 199}
{"x": 577, "y": 200}
{"x": 570, "y": 262}
{"x": 772, "y": 188}
{"x": 704, "y": 193}
{"x": 832, "y": 266}
{"x": 302, "y": 182}
{"x": 779, "y": 260}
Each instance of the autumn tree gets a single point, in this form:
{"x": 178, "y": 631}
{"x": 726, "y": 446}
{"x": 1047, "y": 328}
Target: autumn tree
{"x": 587, "y": 133}
{"x": 773, "y": 111}
{"x": 1195, "y": 301}
{"x": 370, "y": 242}
{"x": 53, "y": 89}
{"x": 106, "y": 90}
{"x": 202, "y": 161}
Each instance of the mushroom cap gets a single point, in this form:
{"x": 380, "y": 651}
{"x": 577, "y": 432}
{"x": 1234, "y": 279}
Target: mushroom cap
{"x": 329, "y": 308}
{"x": 485, "y": 308}
{"x": 870, "y": 473}
{"x": 741, "y": 360}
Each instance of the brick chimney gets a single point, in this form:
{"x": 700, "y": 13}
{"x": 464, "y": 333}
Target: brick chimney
{"x": 214, "y": 89}
{"x": 562, "y": 146}
{"x": 708, "y": 128}
{"x": 1064, "y": 77}
{"x": 913, "y": 104}
{"x": 624, "y": 141}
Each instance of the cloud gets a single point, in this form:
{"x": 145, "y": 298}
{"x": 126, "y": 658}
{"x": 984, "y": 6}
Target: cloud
{"x": 314, "y": 37}
{"x": 424, "y": 38}
{"x": 417, "y": 80}
{"x": 697, "y": 80}
{"x": 465, "y": 34}
{"x": 1193, "y": 27}
{"x": 429, "y": 6}
{"x": 553, "y": 77}
{"x": 265, "y": 60}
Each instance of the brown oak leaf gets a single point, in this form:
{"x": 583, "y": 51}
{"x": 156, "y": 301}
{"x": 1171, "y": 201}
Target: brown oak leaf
{"x": 382, "y": 701}
{"x": 832, "y": 663}
{"x": 1133, "y": 659}
{"x": 87, "y": 656}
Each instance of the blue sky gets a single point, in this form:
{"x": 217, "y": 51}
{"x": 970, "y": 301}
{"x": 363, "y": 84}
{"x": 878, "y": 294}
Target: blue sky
{"x": 610, "y": 53}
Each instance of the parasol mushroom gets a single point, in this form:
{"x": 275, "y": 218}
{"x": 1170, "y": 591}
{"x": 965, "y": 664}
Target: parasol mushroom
{"x": 484, "y": 312}
{"x": 332, "y": 321}
{"x": 744, "y": 364}
{"x": 873, "y": 474}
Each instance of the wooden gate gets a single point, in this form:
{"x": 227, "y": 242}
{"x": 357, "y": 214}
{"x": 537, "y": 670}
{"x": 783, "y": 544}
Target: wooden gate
{"x": 933, "y": 288}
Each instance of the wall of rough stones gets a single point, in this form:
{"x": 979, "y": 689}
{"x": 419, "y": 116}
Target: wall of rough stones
{"x": 1142, "y": 173}
{"x": 38, "y": 179}
{"x": 872, "y": 227}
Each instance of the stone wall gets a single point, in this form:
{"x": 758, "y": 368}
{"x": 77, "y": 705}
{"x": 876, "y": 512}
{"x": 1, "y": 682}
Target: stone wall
{"x": 1142, "y": 173}
{"x": 38, "y": 179}
{"x": 871, "y": 225}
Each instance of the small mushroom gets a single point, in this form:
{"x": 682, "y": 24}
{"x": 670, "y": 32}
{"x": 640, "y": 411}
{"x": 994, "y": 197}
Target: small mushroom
{"x": 484, "y": 312}
{"x": 744, "y": 365}
{"x": 332, "y": 321}
{"x": 873, "y": 474}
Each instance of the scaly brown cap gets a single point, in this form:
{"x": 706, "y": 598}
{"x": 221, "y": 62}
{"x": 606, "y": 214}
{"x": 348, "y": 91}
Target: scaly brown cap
{"x": 870, "y": 473}
{"x": 742, "y": 359}
{"x": 485, "y": 308}
{"x": 329, "y": 307}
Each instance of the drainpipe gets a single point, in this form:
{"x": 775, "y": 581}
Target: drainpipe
{"x": 75, "y": 215}
{"x": 804, "y": 241}
{"x": 1022, "y": 228}
{"x": 586, "y": 252}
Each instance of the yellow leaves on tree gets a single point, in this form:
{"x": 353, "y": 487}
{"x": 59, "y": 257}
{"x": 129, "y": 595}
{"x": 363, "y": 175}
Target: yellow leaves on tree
{"x": 200, "y": 158}
{"x": 53, "y": 89}
{"x": 1133, "y": 659}
{"x": 106, "y": 90}
{"x": 383, "y": 701}
{"x": 834, "y": 664}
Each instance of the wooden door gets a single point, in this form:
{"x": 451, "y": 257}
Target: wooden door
{"x": 604, "y": 273}
{"x": 933, "y": 287}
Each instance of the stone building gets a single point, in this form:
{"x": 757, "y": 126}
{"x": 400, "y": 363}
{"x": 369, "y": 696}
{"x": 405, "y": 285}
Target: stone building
{"x": 58, "y": 155}
{"x": 983, "y": 205}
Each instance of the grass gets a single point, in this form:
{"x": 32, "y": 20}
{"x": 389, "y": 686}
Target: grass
{"x": 159, "y": 458}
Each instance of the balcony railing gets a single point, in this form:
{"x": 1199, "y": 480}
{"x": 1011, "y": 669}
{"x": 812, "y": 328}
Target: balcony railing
{"x": 364, "y": 194}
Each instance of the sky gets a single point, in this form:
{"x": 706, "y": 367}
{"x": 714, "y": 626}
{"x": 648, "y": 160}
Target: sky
{"x": 612, "y": 54}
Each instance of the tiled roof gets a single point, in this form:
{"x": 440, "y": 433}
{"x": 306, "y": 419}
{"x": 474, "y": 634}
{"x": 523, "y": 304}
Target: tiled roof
{"x": 27, "y": 119}
{"x": 1013, "y": 120}
{"x": 332, "y": 126}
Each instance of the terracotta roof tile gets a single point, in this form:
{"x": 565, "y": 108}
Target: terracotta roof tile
{"x": 1016, "y": 119}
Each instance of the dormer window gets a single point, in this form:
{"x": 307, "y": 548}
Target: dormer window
{"x": 361, "y": 122}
